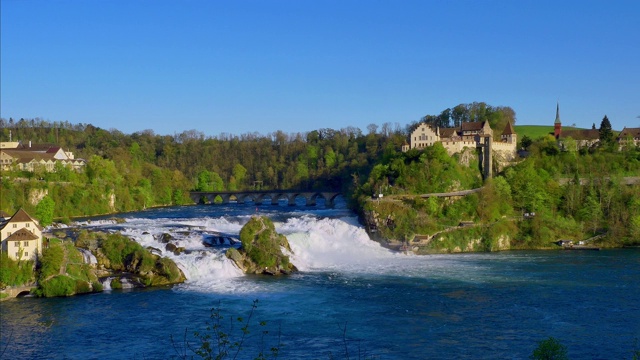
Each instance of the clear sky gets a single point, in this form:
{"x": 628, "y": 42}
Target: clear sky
{"x": 297, "y": 65}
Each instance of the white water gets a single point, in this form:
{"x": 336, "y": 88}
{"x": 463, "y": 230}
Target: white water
{"x": 319, "y": 244}
{"x": 88, "y": 257}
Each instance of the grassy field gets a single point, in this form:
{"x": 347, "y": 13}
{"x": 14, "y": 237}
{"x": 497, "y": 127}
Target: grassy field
{"x": 533, "y": 131}
{"x": 537, "y": 131}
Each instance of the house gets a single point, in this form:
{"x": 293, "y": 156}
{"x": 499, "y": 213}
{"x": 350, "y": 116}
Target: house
{"x": 20, "y": 236}
{"x": 32, "y": 157}
{"x": 584, "y": 138}
{"x": 629, "y": 136}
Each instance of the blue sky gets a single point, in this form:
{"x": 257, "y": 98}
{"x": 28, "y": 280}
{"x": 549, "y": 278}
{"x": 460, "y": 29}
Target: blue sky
{"x": 295, "y": 65}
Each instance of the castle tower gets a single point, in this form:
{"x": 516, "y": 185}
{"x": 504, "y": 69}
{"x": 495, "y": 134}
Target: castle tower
{"x": 508, "y": 135}
{"x": 557, "y": 125}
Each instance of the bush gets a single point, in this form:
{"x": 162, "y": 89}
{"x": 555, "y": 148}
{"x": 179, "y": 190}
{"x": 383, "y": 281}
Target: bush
{"x": 15, "y": 273}
{"x": 60, "y": 285}
{"x": 549, "y": 349}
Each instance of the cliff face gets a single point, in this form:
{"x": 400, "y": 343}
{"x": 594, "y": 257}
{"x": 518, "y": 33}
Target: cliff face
{"x": 261, "y": 251}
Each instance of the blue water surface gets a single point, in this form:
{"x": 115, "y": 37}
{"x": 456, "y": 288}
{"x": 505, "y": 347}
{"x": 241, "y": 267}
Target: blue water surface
{"x": 465, "y": 306}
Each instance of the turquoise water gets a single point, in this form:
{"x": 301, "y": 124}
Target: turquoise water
{"x": 352, "y": 298}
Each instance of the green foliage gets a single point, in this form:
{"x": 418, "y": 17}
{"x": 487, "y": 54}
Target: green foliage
{"x": 262, "y": 244}
{"x": 52, "y": 259}
{"x": 209, "y": 181}
{"x": 118, "y": 249}
{"x": 45, "y": 210}
{"x": 59, "y": 285}
{"x": 62, "y": 271}
{"x": 228, "y": 339}
{"x": 605, "y": 131}
{"x": 549, "y": 349}
{"x": 15, "y": 273}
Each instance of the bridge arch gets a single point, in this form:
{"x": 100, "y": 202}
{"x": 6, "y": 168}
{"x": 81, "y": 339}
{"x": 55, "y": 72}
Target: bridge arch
{"x": 258, "y": 197}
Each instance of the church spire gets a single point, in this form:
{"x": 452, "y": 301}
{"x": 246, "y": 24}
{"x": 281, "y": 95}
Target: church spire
{"x": 557, "y": 126}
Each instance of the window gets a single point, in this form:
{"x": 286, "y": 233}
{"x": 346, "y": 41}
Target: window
{"x": 26, "y": 254}
{"x": 17, "y": 255}
{"x": 28, "y": 224}
{"x": 15, "y": 226}
{"x": 16, "y": 244}
{"x": 26, "y": 244}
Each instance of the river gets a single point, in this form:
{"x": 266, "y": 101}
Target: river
{"x": 351, "y": 299}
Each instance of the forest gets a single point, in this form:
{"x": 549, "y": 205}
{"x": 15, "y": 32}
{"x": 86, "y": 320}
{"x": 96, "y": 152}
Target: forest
{"x": 127, "y": 172}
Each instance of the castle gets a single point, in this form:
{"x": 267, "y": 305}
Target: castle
{"x": 468, "y": 135}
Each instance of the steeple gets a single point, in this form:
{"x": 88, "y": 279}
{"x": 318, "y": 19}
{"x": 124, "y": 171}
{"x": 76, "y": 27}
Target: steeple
{"x": 557, "y": 125}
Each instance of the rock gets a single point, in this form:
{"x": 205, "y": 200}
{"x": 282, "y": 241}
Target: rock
{"x": 261, "y": 250}
{"x": 154, "y": 251}
{"x": 174, "y": 248}
{"x": 165, "y": 238}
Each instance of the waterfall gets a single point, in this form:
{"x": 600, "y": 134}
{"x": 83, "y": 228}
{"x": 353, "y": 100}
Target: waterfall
{"x": 106, "y": 283}
{"x": 88, "y": 257}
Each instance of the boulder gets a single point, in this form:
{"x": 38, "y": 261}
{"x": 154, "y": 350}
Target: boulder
{"x": 261, "y": 250}
{"x": 165, "y": 238}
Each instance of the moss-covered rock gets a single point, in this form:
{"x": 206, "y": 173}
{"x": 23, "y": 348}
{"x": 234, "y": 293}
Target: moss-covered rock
{"x": 63, "y": 272}
{"x": 261, "y": 250}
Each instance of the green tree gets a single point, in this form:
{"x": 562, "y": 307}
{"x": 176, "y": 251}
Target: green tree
{"x": 44, "y": 211}
{"x": 606, "y": 133}
{"x": 549, "y": 349}
{"x": 239, "y": 174}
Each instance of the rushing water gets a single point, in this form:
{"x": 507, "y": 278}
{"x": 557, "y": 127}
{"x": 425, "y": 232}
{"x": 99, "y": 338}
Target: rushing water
{"x": 350, "y": 295}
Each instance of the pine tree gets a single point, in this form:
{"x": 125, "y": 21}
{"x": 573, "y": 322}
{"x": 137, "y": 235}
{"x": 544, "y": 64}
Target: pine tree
{"x": 606, "y": 134}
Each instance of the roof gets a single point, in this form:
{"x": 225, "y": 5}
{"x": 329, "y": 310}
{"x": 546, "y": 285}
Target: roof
{"x": 629, "y": 132}
{"x": 472, "y": 126}
{"x": 22, "y": 234}
{"x": 30, "y": 155}
{"x": 35, "y": 147}
{"x": 22, "y": 216}
{"x": 4, "y": 214}
{"x": 581, "y": 134}
{"x": 448, "y": 132}
{"x": 508, "y": 130}
{"x": 557, "y": 114}
{"x": 53, "y": 149}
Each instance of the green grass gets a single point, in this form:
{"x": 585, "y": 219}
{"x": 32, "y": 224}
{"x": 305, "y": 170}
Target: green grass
{"x": 537, "y": 131}
{"x": 533, "y": 131}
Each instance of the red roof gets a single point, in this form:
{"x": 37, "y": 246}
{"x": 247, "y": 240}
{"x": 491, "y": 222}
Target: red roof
{"x": 629, "y": 132}
{"x": 472, "y": 126}
{"x": 508, "y": 130}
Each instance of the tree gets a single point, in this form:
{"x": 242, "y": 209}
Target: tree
{"x": 44, "y": 211}
{"x": 606, "y": 134}
{"x": 549, "y": 349}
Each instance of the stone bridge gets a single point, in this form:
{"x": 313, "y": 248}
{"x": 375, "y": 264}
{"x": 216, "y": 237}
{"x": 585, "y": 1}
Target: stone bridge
{"x": 17, "y": 291}
{"x": 259, "y": 196}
